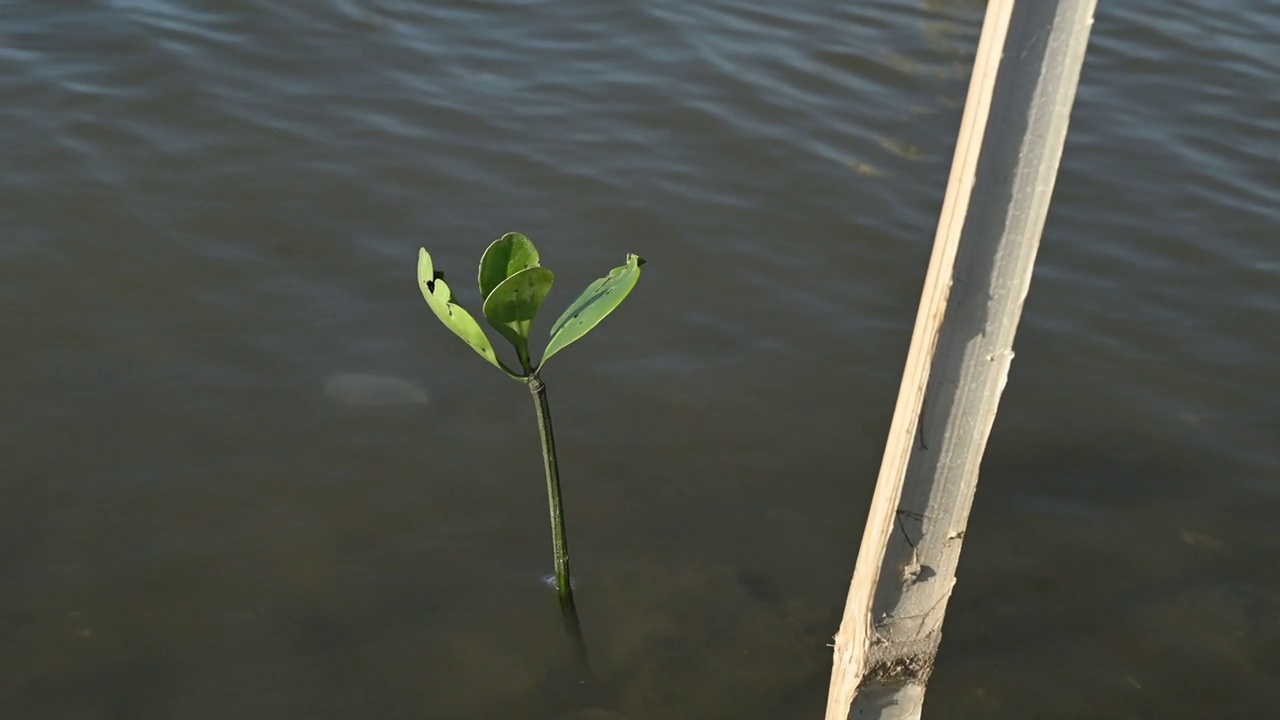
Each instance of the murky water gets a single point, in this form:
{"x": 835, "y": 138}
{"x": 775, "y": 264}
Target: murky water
{"x": 247, "y": 474}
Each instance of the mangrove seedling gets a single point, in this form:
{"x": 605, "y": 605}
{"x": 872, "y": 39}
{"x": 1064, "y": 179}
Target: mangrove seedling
{"x": 513, "y": 286}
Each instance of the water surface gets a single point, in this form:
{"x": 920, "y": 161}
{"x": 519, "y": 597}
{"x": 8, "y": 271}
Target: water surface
{"x": 210, "y": 211}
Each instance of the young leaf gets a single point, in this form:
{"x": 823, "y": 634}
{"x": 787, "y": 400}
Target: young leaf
{"x": 505, "y": 257}
{"x": 440, "y": 299}
{"x": 597, "y": 301}
{"x": 513, "y": 303}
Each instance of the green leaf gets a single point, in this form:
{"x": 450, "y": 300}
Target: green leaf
{"x": 440, "y": 299}
{"x": 513, "y": 303}
{"x": 598, "y": 300}
{"x": 505, "y": 257}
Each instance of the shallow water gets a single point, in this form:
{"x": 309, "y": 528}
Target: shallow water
{"x": 209, "y": 211}
{"x": 367, "y": 390}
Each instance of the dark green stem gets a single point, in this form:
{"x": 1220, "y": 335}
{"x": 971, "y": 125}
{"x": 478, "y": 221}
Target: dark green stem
{"x": 559, "y": 544}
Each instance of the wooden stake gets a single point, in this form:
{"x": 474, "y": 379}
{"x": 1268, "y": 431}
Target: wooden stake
{"x": 1022, "y": 89}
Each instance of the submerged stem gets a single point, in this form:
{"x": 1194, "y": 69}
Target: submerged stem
{"x": 559, "y": 543}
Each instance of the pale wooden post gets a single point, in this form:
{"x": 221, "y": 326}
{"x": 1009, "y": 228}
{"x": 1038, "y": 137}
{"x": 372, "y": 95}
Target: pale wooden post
{"x": 1011, "y": 137}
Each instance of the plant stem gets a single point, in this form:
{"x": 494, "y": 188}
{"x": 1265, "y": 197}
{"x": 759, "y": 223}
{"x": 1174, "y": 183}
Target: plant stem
{"x": 559, "y": 543}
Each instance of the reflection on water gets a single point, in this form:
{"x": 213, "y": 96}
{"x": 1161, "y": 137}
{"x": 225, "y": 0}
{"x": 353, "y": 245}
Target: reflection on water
{"x": 366, "y": 390}
{"x": 246, "y": 473}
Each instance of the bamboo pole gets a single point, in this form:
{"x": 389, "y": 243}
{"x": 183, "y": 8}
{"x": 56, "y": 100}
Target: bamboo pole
{"x": 1022, "y": 89}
